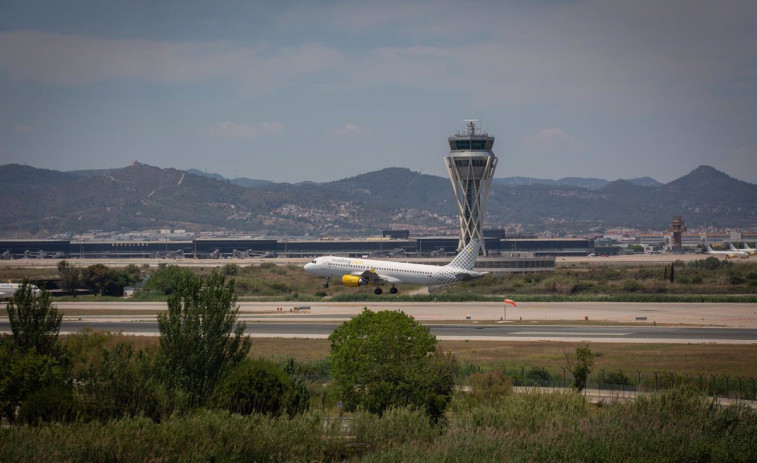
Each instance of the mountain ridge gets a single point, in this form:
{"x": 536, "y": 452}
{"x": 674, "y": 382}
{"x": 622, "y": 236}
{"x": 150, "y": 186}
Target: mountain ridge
{"x": 43, "y": 202}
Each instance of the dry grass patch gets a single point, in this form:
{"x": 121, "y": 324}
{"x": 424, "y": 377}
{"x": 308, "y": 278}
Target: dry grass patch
{"x": 691, "y": 359}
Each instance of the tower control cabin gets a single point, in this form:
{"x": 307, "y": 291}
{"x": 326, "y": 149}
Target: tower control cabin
{"x": 471, "y": 165}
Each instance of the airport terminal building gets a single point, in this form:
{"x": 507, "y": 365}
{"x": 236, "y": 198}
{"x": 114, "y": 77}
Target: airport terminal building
{"x": 504, "y": 255}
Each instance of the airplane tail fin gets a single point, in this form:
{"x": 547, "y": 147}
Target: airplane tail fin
{"x": 466, "y": 259}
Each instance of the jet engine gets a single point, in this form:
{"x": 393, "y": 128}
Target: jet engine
{"x": 354, "y": 280}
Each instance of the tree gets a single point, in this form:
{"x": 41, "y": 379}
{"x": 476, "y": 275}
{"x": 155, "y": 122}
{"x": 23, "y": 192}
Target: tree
{"x": 196, "y": 334}
{"x": 35, "y": 323}
{"x": 167, "y": 279}
{"x": 382, "y": 359}
{"x": 579, "y": 365}
{"x": 106, "y": 281}
{"x": 260, "y": 386}
{"x": 72, "y": 277}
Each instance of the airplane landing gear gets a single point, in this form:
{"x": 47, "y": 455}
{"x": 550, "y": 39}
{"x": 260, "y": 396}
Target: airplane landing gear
{"x": 377, "y": 291}
{"x": 326, "y": 283}
{"x": 393, "y": 290}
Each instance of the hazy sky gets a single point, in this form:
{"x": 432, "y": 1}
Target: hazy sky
{"x": 322, "y": 90}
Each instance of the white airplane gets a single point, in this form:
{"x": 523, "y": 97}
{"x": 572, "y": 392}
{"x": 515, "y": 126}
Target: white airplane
{"x": 7, "y": 290}
{"x": 359, "y": 272}
{"x": 727, "y": 254}
{"x": 748, "y": 250}
{"x": 740, "y": 252}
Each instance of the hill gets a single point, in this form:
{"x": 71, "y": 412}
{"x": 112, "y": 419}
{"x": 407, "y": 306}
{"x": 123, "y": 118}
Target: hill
{"x": 588, "y": 183}
{"x": 40, "y": 202}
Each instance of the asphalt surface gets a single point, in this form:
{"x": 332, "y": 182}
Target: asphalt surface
{"x": 472, "y": 331}
{"x": 568, "y": 322}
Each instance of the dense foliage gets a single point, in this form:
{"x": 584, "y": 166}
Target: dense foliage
{"x": 35, "y": 323}
{"x": 384, "y": 359}
{"x": 261, "y": 386}
{"x": 166, "y": 279}
{"x": 197, "y": 334}
{"x": 672, "y": 426}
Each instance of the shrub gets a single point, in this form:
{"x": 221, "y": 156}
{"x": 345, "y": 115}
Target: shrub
{"x": 539, "y": 376}
{"x": 48, "y": 404}
{"x": 23, "y": 375}
{"x": 489, "y": 387}
{"x": 616, "y": 377}
{"x": 260, "y": 386}
{"x": 230, "y": 269}
{"x": 629, "y": 285}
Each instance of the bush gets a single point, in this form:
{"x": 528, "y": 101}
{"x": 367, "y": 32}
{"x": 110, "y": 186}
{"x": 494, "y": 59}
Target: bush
{"x": 230, "y": 269}
{"x": 617, "y": 377}
{"x": 48, "y": 404}
{"x": 629, "y": 285}
{"x": 489, "y": 387}
{"x": 122, "y": 384}
{"x": 260, "y": 386}
{"x": 539, "y": 376}
{"x": 23, "y": 375}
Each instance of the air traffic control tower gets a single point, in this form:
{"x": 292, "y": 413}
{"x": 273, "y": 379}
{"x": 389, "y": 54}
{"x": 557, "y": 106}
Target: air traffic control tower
{"x": 471, "y": 165}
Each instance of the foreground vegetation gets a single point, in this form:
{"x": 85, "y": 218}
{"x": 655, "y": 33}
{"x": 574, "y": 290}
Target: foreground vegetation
{"x": 673, "y": 426}
{"x": 384, "y": 392}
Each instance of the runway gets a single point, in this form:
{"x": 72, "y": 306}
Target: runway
{"x": 454, "y": 331}
{"x": 565, "y": 322}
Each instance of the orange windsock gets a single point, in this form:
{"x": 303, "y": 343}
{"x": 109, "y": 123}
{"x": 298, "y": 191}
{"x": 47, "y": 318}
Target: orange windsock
{"x": 511, "y": 302}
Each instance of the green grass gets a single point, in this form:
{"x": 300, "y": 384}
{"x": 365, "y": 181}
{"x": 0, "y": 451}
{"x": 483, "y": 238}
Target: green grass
{"x": 698, "y": 281}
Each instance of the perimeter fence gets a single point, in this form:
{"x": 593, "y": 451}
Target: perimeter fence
{"x": 717, "y": 386}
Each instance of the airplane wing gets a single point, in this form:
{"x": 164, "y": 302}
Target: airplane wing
{"x": 374, "y": 278}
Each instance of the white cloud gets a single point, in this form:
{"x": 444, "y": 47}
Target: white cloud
{"x": 237, "y": 130}
{"x": 350, "y": 129}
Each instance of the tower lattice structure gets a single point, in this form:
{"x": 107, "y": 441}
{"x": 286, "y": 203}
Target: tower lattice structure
{"x": 471, "y": 165}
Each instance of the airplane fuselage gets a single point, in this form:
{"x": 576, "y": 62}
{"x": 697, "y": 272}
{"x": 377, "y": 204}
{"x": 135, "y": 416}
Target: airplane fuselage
{"x": 359, "y": 272}
{"x": 391, "y": 272}
{"x": 7, "y": 290}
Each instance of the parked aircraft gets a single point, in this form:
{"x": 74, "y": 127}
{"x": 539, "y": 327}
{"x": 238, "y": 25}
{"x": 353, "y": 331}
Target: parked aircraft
{"x": 7, "y": 290}
{"x": 359, "y": 272}
{"x": 748, "y": 250}
{"x": 739, "y": 252}
{"x": 727, "y": 254}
